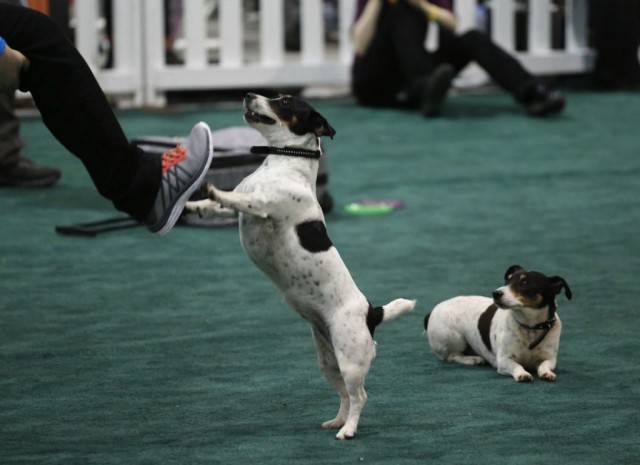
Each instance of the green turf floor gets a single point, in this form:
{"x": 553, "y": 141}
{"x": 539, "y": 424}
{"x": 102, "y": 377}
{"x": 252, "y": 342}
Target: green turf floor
{"x": 132, "y": 349}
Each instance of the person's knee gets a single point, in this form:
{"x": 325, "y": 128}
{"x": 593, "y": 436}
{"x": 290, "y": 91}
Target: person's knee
{"x": 472, "y": 36}
{"x": 41, "y": 26}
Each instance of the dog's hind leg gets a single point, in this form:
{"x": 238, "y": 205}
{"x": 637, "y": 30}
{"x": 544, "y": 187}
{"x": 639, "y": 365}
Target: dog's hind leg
{"x": 331, "y": 370}
{"x": 354, "y": 359}
{"x": 466, "y": 359}
{"x": 353, "y": 376}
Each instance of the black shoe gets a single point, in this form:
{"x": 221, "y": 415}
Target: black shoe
{"x": 435, "y": 90}
{"x": 25, "y": 173}
{"x": 541, "y": 100}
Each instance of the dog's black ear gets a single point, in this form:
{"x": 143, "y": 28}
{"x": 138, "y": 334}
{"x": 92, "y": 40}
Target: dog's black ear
{"x": 512, "y": 269}
{"x": 321, "y": 125}
{"x": 557, "y": 284}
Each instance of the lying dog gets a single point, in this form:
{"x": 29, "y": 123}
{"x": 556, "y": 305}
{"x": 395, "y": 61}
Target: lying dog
{"x": 283, "y": 232}
{"x": 518, "y": 330}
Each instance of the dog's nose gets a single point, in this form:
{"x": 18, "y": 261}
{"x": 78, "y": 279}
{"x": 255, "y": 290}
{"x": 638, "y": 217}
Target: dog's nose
{"x": 250, "y": 96}
{"x": 497, "y": 294}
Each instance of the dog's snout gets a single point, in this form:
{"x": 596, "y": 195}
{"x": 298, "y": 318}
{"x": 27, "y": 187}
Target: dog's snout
{"x": 249, "y": 100}
{"x": 497, "y": 294}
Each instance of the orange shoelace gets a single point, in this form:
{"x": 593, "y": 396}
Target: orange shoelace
{"x": 173, "y": 157}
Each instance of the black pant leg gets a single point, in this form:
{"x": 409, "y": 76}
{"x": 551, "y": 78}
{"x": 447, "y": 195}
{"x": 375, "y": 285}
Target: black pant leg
{"x": 10, "y": 142}
{"x": 476, "y": 46}
{"x": 76, "y": 111}
{"x": 409, "y": 28}
{"x": 616, "y": 36}
{"x": 395, "y": 58}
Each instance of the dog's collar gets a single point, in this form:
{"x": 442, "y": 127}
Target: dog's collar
{"x": 292, "y": 152}
{"x": 545, "y": 327}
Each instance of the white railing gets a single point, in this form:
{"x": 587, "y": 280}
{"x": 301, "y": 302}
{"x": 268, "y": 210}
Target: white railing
{"x": 125, "y": 80}
{"x": 238, "y": 48}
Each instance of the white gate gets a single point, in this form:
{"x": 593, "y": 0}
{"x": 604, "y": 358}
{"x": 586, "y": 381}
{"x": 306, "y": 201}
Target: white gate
{"x": 229, "y": 44}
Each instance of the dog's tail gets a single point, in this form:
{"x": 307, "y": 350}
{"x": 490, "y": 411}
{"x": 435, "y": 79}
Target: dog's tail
{"x": 393, "y": 309}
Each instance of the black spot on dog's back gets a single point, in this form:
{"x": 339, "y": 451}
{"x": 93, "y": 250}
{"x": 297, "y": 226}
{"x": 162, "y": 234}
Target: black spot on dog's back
{"x": 313, "y": 236}
{"x": 484, "y": 325}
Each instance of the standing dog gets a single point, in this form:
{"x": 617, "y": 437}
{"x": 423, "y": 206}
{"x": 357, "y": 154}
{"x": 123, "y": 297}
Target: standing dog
{"x": 516, "y": 331}
{"x": 283, "y": 232}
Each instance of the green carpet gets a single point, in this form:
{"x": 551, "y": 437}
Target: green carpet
{"x": 130, "y": 349}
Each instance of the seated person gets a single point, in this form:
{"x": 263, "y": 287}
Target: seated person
{"x": 392, "y": 68}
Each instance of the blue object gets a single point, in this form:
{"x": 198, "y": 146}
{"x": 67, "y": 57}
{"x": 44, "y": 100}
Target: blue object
{"x": 3, "y": 45}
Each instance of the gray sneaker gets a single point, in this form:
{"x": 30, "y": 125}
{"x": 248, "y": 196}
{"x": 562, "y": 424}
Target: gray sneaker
{"x": 183, "y": 169}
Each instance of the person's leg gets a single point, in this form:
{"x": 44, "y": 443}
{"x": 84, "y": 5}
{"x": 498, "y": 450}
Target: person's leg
{"x": 77, "y": 113}
{"x": 476, "y": 46}
{"x": 374, "y": 81}
{"x": 15, "y": 170}
{"x": 388, "y": 73}
{"x": 408, "y": 31}
{"x": 150, "y": 188}
{"x": 426, "y": 81}
{"x": 537, "y": 98}
{"x": 10, "y": 143}
{"x": 616, "y": 36}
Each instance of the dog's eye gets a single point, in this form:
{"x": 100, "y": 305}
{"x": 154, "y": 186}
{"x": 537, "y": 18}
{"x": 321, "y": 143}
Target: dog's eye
{"x": 285, "y": 103}
{"x": 523, "y": 281}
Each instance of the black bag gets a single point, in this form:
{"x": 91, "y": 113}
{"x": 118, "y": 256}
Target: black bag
{"x": 232, "y": 162}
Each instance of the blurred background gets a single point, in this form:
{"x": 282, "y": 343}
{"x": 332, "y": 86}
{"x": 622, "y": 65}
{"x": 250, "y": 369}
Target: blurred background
{"x": 150, "y": 53}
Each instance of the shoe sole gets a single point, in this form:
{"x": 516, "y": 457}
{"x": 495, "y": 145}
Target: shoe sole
{"x": 35, "y": 183}
{"x": 177, "y": 208}
{"x": 546, "y": 109}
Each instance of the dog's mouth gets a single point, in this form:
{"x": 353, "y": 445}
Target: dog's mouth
{"x": 253, "y": 117}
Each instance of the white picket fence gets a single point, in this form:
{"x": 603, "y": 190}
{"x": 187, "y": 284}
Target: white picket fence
{"x": 247, "y": 49}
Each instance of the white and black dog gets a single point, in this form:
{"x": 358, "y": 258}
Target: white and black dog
{"x": 282, "y": 230}
{"x": 517, "y": 330}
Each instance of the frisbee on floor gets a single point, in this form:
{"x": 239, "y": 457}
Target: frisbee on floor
{"x": 373, "y": 207}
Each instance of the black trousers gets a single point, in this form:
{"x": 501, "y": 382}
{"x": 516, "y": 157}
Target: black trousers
{"x": 10, "y": 142}
{"x": 77, "y": 113}
{"x": 615, "y": 28}
{"x": 396, "y": 61}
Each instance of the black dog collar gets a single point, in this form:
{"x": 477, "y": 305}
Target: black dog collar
{"x": 545, "y": 326}
{"x": 292, "y": 152}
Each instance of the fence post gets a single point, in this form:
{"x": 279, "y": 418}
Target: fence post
{"x": 312, "y": 31}
{"x": 466, "y": 15}
{"x": 502, "y": 23}
{"x": 231, "y": 33}
{"x": 346, "y": 15}
{"x": 576, "y": 25}
{"x": 193, "y": 26}
{"x": 271, "y": 32}
{"x": 128, "y": 60}
{"x": 152, "y": 28}
{"x": 540, "y": 26}
{"x": 86, "y": 32}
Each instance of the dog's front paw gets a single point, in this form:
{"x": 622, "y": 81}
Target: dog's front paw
{"x": 203, "y": 191}
{"x": 548, "y": 376}
{"x": 209, "y": 191}
{"x": 194, "y": 207}
{"x": 523, "y": 377}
